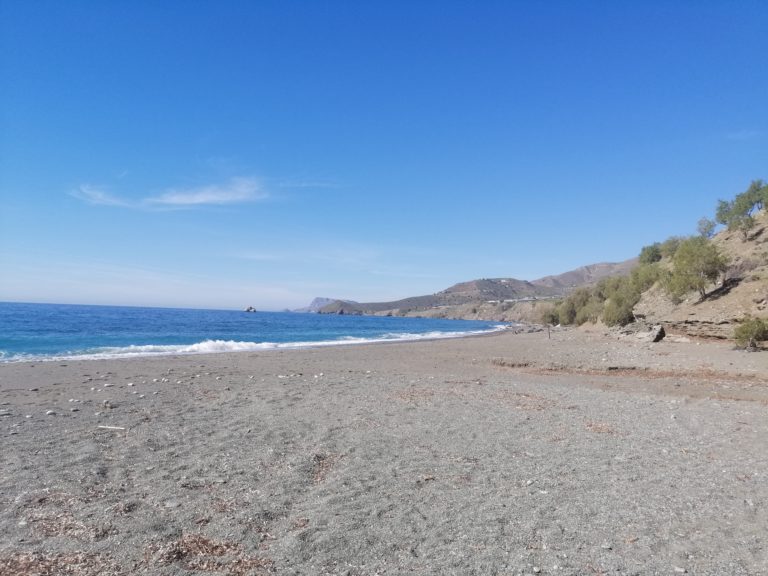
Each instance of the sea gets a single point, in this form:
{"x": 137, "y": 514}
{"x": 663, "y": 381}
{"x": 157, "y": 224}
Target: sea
{"x": 39, "y": 332}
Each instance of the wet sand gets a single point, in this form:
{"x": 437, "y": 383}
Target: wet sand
{"x": 504, "y": 454}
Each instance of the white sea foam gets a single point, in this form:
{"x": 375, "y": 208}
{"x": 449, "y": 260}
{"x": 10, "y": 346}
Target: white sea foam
{"x": 220, "y": 346}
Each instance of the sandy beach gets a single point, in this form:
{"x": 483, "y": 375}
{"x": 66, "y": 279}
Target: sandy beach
{"x": 510, "y": 454}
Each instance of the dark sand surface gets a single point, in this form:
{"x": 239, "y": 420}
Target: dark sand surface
{"x": 508, "y": 454}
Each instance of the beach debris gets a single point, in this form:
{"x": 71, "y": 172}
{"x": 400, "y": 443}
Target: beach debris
{"x": 59, "y": 563}
{"x": 197, "y": 552}
{"x": 74, "y": 409}
{"x": 322, "y": 465}
{"x": 110, "y": 427}
{"x": 131, "y": 384}
{"x": 50, "y": 413}
{"x": 107, "y": 404}
{"x": 107, "y": 385}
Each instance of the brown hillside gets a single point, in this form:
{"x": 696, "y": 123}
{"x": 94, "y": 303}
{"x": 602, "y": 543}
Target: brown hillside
{"x": 586, "y": 275}
{"x": 744, "y": 291}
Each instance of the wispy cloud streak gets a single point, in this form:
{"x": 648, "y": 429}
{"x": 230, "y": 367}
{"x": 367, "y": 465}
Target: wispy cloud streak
{"x": 235, "y": 191}
{"x": 94, "y": 195}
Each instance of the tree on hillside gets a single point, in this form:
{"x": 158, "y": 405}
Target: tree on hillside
{"x": 696, "y": 264}
{"x": 650, "y": 254}
{"x": 738, "y": 213}
{"x": 706, "y": 227}
{"x": 670, "y": 245}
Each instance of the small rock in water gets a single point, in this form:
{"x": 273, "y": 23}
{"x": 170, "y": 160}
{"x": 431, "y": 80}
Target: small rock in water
{"x": 130, "y": 383}
{"x": 50, "y": 413}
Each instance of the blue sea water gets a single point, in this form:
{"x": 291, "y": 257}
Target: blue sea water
{"x": 57, "y": 331}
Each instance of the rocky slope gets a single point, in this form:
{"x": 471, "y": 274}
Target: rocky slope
{"x": 744, "y": 291}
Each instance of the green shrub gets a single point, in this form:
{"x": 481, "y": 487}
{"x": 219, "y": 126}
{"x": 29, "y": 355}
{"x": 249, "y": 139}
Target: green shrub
{"x": 751, "y": 331}
{"x": 566, "y": 312}
{"x": 618, "y": 313}
{"x": 650, "y": 254}
{"x": 670, "y": 246}
{"x": 697, "y": 264}
{"x": 589, "y": 312}
{"x": 549, "y": 315}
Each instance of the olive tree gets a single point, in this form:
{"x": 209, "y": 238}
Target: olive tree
{"x": 697, "y": 264}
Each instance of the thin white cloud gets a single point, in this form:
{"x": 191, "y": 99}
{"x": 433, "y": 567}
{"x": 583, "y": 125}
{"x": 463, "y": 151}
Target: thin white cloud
{"x": 93, "y": 195}
{"x": 236, "y": 191}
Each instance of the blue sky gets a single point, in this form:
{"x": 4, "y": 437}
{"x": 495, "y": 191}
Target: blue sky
{"x": 224, "y": 154}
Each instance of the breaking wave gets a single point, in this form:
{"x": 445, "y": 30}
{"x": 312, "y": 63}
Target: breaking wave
{"x": 222, "y": 346}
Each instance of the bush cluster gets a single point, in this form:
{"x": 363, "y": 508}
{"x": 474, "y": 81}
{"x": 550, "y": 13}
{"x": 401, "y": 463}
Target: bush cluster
{"x": 680, "y": 265}
{"x": 612, "y": 299}
{"x": 751, "y": 331}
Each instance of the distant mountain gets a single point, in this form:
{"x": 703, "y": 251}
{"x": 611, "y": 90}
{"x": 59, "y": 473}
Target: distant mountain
{"x": 317, "y": 304}
{"x": 586, "y": 275}
{"x": 485, "y": 290}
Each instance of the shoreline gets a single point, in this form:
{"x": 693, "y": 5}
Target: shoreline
{"x": 255, "y": 347}
{"x": 473, "y": 456}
